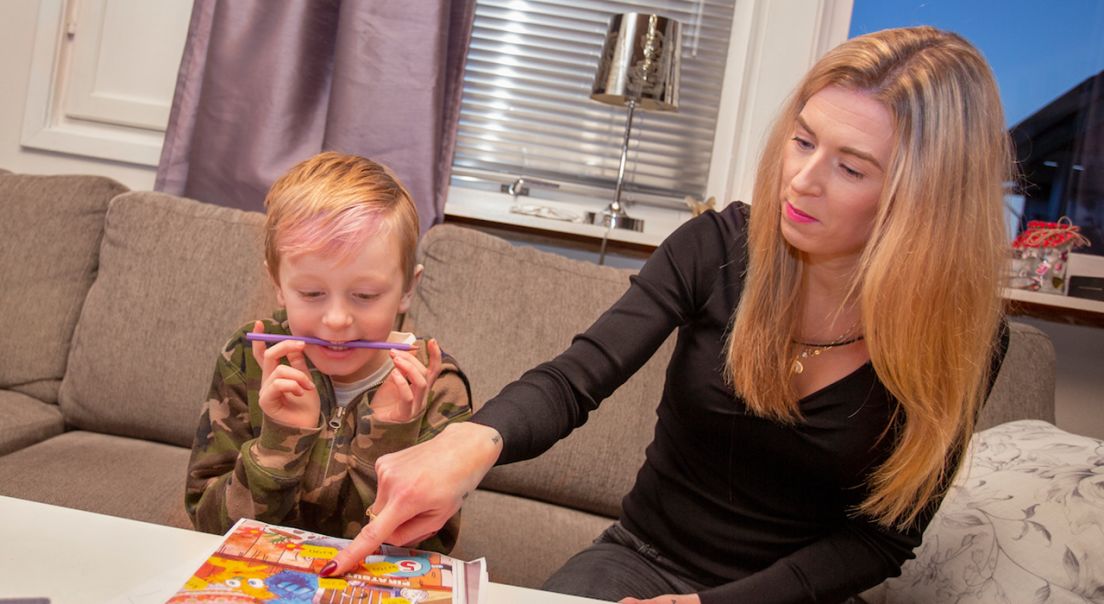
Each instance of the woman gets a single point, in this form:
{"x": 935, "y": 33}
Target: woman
{"x": 835, "y": 344}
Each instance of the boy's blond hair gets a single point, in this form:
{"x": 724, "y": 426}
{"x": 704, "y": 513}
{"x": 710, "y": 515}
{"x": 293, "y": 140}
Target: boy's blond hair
{"x": 332, "y": 203}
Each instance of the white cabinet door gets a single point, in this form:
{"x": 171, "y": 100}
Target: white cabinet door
{"x": 102, "y": 77}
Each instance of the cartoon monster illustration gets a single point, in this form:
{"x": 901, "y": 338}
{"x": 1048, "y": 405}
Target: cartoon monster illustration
{"x": 292, "y": 587}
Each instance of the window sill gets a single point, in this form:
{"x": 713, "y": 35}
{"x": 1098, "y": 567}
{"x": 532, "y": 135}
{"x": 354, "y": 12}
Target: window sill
{"x": 1058, "y": 308}
{"x": 492, "y": 207}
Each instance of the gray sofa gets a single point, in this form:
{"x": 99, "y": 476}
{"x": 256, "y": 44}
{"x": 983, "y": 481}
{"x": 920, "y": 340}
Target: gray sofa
{"x": 114, "y": 304}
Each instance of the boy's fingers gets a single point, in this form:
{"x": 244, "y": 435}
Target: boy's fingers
{"x": 298, "y": 361}
{"x": 434, "y": 359}
{"x": 434, "y": 350}
{"x": 282, "y": 383}
{"x": 271, "y": 359}
{"x": 288, "y": 386}
{"x": 411, "y": 369}
{"x": 400, "y": 382}
{"x": 406, "y": 395}
{"x": 281, "y": 350}
{"x": 285, "y": 373}
{"x": 258, "y": 346}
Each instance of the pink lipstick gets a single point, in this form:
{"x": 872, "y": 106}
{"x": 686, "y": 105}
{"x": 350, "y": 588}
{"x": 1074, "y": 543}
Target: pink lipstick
{"x": 796, "y": 215}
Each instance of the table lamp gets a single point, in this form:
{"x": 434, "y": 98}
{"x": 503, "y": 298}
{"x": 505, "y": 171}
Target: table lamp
{"x": 639, "y": 69}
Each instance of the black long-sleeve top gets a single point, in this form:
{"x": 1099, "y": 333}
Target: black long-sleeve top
{"x": 763, "y": 510}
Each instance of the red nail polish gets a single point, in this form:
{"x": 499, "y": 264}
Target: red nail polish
{"x": 329, "y": 569}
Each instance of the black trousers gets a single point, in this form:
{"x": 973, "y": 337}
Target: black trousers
{"x": 617, "y": 565}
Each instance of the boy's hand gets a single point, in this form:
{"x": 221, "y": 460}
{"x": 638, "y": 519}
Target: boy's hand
{"x": 404, "y": 393}
{"x": 288, "y": 394}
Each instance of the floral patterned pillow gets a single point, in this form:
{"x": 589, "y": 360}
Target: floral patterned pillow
{"x": 1023, "y": 522}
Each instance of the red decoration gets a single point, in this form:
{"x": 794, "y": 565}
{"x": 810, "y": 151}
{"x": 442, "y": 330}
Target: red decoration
{"x": 1050, "y": 234}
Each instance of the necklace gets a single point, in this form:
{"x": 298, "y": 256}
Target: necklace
{"x": 814, "y": 350}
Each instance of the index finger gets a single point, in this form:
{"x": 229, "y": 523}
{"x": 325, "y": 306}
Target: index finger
{"x": 367, "y": 541}
{"x": 258, "y": 346}
{"x": 434, "y": 359}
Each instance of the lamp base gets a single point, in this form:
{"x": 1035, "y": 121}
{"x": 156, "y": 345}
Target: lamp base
{"x": 614, "y": 220}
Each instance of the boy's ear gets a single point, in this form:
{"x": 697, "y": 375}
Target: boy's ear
{"x": 408, "y": 295}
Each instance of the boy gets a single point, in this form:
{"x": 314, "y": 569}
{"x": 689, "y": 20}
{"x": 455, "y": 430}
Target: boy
{"x": 291, "y": 431}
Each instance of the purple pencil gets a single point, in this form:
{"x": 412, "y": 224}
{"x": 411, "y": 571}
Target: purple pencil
{"x": 275, "y": 337}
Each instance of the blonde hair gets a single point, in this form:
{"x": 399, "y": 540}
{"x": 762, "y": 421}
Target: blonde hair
{"x": 929, "y": 329}
{"x": 332, "y": 203}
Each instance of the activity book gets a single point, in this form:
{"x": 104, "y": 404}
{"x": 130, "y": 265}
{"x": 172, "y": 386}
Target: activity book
{"x": 260, "y": 562}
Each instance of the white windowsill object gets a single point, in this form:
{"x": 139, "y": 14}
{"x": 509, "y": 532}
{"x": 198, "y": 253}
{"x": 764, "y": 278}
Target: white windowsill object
{"x": 1087, "y": 265}
{"x": 490, "y": 206}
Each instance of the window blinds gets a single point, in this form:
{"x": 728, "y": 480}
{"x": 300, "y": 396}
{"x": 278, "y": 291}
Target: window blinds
{"x": 526, "y": 107}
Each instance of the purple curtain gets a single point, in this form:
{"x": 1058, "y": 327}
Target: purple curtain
{"x": 264, "y": 85}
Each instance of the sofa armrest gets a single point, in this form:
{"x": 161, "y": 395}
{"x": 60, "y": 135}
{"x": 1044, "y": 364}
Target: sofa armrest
{"x": 1024, "y": 388}
{"x": 1022, "y": 523}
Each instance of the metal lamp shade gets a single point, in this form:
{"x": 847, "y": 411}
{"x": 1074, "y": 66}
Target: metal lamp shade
{"x": 640, "y": 60}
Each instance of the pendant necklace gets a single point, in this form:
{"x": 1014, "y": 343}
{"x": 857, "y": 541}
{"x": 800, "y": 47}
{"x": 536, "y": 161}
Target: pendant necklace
{"x": 814, "y": 350}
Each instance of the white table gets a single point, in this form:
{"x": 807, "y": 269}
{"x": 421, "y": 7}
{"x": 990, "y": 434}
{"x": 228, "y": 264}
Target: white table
{"x": 76, "y": 557}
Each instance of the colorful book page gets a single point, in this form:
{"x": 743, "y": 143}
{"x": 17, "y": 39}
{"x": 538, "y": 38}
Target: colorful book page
{"x": 259, "y": 562}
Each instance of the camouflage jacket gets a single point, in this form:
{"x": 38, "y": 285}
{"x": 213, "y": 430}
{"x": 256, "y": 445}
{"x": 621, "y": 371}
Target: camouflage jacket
{"x": 246, "y": 465}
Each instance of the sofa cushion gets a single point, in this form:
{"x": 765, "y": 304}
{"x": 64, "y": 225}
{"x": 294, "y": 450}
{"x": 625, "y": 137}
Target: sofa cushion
{"x": 524, "y": 541}
{"x": 26, "y": 420}
{"x": 1024, "y": 388}
{"x": 114, "y": 475}
{"x": 177, "y": 277}
{"x": 1023, "y": 522}
{"x": 483, "y": 299}
{"x": 49, "y": 245}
